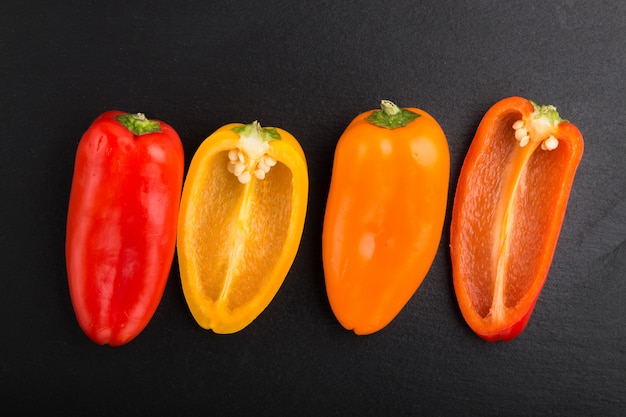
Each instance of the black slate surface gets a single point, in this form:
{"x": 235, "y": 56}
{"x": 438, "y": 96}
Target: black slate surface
{"x": 310, "y": 67}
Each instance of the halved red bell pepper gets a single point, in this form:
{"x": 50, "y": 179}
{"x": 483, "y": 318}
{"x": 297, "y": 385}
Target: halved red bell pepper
{"x": 508, "y": 211}
{"x": 121, "y": 223}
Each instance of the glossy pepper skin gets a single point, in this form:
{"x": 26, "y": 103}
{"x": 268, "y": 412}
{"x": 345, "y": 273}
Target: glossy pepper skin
{"x": 508, "y": 211}
{"x": 121, "y": 223}
{"x": 384, "y": 214}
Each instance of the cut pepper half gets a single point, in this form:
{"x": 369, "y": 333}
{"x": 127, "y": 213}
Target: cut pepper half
{"x": 508, "y": 211}
{"x": 242, "y": 216}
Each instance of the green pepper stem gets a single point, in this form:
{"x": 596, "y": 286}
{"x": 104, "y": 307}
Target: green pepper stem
{"x": 138, "y": 124}
{"x": 547, "y": 112}
{"x": 390, "y": 116}
{"x": 254, "y": 129}
{"x": 389, "y": 107}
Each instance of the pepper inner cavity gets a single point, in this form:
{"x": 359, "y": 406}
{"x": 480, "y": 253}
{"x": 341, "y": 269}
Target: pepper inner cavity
{"x": 244, "y": 167}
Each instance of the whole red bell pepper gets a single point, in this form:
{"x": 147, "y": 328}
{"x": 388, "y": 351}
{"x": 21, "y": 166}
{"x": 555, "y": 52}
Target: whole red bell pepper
{"x": 121, "y": 223}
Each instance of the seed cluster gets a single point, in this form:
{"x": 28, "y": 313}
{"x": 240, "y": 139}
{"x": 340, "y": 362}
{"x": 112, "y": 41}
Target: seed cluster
{"x": 243, "y": 168}
{"x": 523, "y": 137}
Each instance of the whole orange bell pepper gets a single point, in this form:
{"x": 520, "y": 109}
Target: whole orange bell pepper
{"x": 508, "y": 211}
{"x": 384, "y": 215}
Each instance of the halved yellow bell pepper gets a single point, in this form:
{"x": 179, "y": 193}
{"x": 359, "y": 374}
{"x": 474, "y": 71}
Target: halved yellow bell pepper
{"x": 241, "y": 219}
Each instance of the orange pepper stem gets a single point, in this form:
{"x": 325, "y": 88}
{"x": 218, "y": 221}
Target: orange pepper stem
{"x": 548, "y": 112}
{"x": 389, "y": 107}
{"x": 391, "y": 116}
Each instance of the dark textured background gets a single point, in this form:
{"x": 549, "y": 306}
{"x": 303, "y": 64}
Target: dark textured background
{"x": 310, "y": 67}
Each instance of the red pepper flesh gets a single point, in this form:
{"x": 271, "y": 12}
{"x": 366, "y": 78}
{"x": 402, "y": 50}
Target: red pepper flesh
{"x": 121, "y": 223}
{"x": 508, "y": 211}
